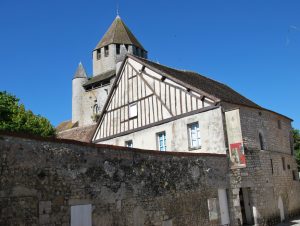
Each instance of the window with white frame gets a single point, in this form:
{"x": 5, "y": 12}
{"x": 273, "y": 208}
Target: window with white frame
{"x": 194, "y": 135}
{"x": 161, "y": 141}
{"x": 133, "y": 110}
{"x": 129, "y": 144}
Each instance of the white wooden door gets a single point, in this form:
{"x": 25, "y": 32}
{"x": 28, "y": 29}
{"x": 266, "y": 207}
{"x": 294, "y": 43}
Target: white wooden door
{"x": 81, "y": 215}
{"x": 223, "y": 206}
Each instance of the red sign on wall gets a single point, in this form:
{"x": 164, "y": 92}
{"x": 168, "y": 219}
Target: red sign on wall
{"x": 237, "y": 155}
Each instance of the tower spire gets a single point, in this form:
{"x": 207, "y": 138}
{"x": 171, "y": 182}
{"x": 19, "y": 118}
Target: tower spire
{"x": 118, "y": 9}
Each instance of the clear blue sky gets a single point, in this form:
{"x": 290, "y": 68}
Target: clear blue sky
{"x": 251, "y": 45}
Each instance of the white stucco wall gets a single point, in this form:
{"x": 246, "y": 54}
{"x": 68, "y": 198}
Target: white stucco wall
{"x": 211, "y": 132}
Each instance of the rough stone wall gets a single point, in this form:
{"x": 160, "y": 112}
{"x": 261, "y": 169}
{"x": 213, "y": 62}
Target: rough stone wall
{"x": 255, "y": 120}
{"x": 42, "y": 179}
{"x": 265, "y": 184}
{"x": 266, "y": 187}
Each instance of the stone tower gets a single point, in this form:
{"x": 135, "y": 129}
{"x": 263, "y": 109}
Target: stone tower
{"x": 79, "y": 79}
{"x": 109, "y": 52}
{"x": 90, "y": 94}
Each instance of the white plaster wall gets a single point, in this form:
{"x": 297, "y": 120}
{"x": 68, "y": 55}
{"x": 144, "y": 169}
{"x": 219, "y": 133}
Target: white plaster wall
{"x": 211, "y": 132}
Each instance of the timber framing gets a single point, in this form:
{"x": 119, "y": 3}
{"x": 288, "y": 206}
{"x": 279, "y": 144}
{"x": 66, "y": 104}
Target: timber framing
{"x": 158, "y": 123}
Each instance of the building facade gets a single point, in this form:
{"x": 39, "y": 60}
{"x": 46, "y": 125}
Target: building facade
{"x": 141, "y": 104}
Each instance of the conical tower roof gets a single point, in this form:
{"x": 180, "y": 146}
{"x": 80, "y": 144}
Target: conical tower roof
{"x": 80, "y": 72}
{"x": 119, "y": 33}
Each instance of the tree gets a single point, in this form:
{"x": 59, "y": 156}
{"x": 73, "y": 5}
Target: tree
{"x": 296, "y": 136}
{"x": 15, "y": 118}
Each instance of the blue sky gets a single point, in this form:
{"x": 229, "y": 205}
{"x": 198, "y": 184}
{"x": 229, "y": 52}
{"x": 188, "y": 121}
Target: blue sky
{"x": 251, "y": 45}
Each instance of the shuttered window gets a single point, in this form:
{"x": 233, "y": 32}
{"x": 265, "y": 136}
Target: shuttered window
{"x": 194, "y": 135}
{"x": 161, "y": 139}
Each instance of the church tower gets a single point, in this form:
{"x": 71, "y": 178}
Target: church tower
{"x": 112, "y": 48}
{"x": 90, "y": 94}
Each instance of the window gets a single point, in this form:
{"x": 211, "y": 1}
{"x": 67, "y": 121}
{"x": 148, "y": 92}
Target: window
{"x": 261, "y": 142}
{"x": 133, "y": 110}
{"x": 279, "y": 124}
{"x": 272, "y": 166}
{"x": 129, "y": 144}
{"x": 283, "y": 163}
{"x": 106, "y": 51}
{"x": 292, "y": 142}
{"x": 95, "y": 109}
{"x": 161, "y": 141}
{"x": 294, "y": 175}
{"x": 118, "y": 49}
{"x": 137, "y": 51}
{"x": 98, "y": 54}
{"x": 126, "y": 46}
{"x": 194, "y": 135}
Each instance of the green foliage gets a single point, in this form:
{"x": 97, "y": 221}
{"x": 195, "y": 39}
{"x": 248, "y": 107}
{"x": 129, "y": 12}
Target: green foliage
{"x": 296, "y": 136}
{"x": 15, "y": 118}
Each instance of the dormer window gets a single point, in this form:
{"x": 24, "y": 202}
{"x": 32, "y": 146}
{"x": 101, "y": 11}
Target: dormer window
{"x": 98, "y": 52}
{"x": 117, "y": 49}
{"x": 106, "y": 51}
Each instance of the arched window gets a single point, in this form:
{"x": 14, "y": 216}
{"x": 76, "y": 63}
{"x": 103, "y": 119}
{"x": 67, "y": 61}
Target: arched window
{"x": 261, "y": 142}
{"x": 95, "y": 109}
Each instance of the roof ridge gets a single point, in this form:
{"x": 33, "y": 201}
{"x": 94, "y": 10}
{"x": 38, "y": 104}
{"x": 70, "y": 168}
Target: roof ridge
{"x": 210, "y": 86}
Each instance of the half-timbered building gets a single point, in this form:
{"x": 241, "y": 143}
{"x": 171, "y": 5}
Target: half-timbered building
{"x": 141, "y": 104}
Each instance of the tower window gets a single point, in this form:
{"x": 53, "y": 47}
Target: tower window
{"x": 272, "y": 166}
{"x": 106, "y": 51}
{"x": 283, "y": 163}
{"x": 98, "y": 54}
{"x": 261, "y": 142}
{"x": 126, "y": 46}
{"x": 137, "y": 51}
{"x": 117, "y": 49}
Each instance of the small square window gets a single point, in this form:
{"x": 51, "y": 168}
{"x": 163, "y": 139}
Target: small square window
{"x": 129, "y": 144}
{"x": 161, "y": 141}
{"x": 133, "y": 110}
{"x": 194, "y": 136}
{"x": 106, "y": 51}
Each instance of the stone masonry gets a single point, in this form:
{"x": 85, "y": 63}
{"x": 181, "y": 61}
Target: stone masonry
{"x": 41, "y": 179}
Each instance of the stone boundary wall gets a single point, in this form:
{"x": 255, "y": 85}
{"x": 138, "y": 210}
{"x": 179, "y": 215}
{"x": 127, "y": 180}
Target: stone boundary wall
{"x": 41, "y": 179}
